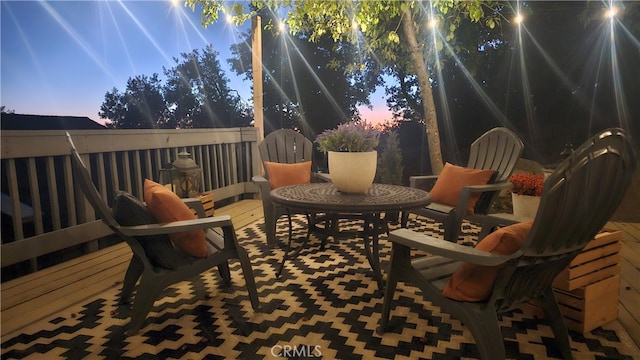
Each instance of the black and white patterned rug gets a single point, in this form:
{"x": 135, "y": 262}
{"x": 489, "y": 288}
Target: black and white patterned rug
{"x": 325, "y": 305}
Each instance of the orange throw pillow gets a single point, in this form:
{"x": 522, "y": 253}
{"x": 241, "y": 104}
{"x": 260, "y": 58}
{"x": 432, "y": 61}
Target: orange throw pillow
{"x": 166, "y": 207}
{"x": 474, "y": 282}
{"x": 281, "y": 174}
{"x": 448, "y": 187}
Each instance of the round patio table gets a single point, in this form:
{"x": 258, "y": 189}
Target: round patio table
{"x": 371, "y": 207}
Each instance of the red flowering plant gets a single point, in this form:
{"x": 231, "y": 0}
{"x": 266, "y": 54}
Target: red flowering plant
{"x": 527, "y": 184}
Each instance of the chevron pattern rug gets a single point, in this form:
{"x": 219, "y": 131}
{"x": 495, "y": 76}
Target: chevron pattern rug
{"x": 325, "y": 304}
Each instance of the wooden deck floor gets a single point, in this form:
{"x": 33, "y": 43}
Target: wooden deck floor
{"x": 40, "y": 295}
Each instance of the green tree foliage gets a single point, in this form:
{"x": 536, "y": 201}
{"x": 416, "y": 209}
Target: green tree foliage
{"x": 199, "y": 95}
{"x": 4, "y": 110}
{"x": 307, "y": 85}
{"x": 476, "y": 46}
{"x": 196, "y": 95}
{"x": 141, "y": 106}
{"x": 390, "y": 169}
{"x": 395, "y": 31}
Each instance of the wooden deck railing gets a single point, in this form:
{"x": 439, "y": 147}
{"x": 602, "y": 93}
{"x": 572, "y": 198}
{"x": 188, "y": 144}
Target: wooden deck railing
{"x": 43, "y": 212}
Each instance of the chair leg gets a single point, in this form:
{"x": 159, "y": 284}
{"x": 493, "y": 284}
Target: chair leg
{"x": 225, "y": 273}
{"x": 398, "y": 256}
{"x": 270, "y": 229}
{"x": 249, "y": 279}
{"x": 270, "y": 220}
{"x": 485, "y": 329}
{"x": 559, "y": 327}
{"x": 148, "y": 291}
{"x": 389, "y": 291}
{"x": 134, "y": 271}
{"x": 238, "y": 252}
{"x": 392, "y": 217}
{"x": 451, "y": 229}
{"x": 404, "y": 219}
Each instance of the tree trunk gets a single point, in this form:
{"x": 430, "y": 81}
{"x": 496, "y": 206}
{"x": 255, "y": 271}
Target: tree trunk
{"x": 431, "y": 119}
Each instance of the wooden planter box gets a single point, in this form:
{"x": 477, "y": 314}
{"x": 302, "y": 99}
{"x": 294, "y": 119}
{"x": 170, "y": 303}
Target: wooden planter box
{"x": 599, "y": 260}
{"x": 588, "y": 289}
{"x": 589, "y": 307}
{"x": 207, "y": 203}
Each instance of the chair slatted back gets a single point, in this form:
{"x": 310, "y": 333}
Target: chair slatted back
{"x": 88, "y": 188}
{"x": 498, "y": 149}
{"x": 577, "y": 201}
{"x": 286, "y": 146}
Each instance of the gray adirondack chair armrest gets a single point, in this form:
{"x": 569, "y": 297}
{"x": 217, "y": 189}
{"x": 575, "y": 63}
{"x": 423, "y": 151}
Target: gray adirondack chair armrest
{"x": 196, "y": 205}
{"x": 325, "y": 177}
{"x": 264, "y": 186}
{"x": 259, "y": 179}
{"x": 488, "y": 187}
{"x": 450, "y": 250}
{"x": 424, "y": 182}
{"x": 467, "y": 191}
{"x": 177, "y": 226}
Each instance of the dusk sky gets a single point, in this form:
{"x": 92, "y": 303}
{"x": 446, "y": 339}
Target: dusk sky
{"x": 61, "y": 57}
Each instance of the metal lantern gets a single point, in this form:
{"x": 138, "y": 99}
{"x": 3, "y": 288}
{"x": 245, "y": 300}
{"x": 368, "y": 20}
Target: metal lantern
{"x": 183, "y": 176}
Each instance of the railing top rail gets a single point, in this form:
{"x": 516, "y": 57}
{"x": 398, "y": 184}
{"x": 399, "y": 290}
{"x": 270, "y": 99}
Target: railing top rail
{"x": 34, "y": 143}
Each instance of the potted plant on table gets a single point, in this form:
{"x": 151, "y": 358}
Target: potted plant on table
{"x": 525, "y": 193}
{"x": 351, "y": 155}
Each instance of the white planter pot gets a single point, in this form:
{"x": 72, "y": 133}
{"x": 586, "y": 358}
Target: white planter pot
{"x": 525, "y": 205}
{"x": 353, "y": 172}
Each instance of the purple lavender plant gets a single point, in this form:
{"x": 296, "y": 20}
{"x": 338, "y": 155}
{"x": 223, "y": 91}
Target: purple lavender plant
{"x": 353, "y": 136}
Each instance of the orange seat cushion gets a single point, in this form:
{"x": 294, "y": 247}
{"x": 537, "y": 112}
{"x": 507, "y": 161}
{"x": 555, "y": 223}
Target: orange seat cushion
{"x": 281, "y": 174}
{"x": 474, "y": 282}
{"x": 448, "y": 187}
{"x": 167, "y": 207}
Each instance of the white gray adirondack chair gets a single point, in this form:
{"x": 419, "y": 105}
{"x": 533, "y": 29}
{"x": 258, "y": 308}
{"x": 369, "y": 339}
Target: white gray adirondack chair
{"x": 574, "y": 207}
{"x": 498, "y": 149}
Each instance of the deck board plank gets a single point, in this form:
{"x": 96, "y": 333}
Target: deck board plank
{"x": 628, "y": 314}
{"x": 242, "y": 213}
{"x": 83, "y": 271}
{"x": 46, "y": 273}
{"x": 55, "y": 301}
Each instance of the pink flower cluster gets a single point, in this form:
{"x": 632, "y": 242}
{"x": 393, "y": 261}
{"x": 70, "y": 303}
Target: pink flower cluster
{"x": 527, "y": 184}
